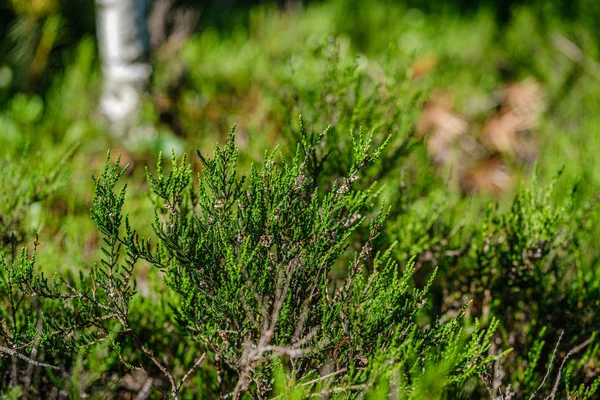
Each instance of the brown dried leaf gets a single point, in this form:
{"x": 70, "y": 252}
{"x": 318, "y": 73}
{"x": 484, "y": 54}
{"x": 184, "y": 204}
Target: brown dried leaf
{"x": 422, "y": 66}
{"x": 442, "y": 126}
{"x": 490, "y": 176}
{"x": 521, "y": 105}
{"x": 523, "y": 97}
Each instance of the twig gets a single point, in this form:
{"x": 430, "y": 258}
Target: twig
{"x": 145, "y": 390}
{"x": 549, "y": 367}
{"x": 158, "y": 364}
{"x": 574, "y": 350}
{"x": 25, "y": 358}
{"x": 340, "y": 389}
{"x": 322, "y": 378}
{"x": 191, "y": 370}
{"x": 29, "y": 372}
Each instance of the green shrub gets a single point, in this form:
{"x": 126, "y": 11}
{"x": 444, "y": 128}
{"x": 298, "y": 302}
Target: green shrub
{"x": 253, "y": 269}
{"x": 392, "y": 323}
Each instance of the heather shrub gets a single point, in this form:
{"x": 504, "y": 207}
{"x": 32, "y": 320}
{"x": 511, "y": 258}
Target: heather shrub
{"x": 253, "y": 270}
{"x": 531, "y": 265}
{"x": 408, "y": 252}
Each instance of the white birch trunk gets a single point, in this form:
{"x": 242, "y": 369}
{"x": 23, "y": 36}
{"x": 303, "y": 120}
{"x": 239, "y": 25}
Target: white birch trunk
{"x": 123, "y": 40}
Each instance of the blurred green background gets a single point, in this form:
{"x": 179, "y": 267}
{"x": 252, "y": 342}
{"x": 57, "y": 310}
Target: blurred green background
{"x": 217, "y": 63}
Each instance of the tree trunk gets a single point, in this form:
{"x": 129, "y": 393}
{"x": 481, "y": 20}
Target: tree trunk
{"x": 123, "y": 40}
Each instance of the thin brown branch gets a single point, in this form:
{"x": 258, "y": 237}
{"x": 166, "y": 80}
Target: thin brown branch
{"x": 324, "y": 377}
{"x": 573, "y": 351}
{"x": 191, "y": 370}
{"x": 549, "y": 366}
{"x": 144, "y": 392}
{"x": 16, "y": 354}
{"x": 158, "y": 364}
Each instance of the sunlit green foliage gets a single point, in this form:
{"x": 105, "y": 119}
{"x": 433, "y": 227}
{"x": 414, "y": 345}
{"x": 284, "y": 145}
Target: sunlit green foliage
{"x": 376, "y": 250}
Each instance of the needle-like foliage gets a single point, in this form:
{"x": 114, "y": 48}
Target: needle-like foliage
{"x": 266, "y": 280}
